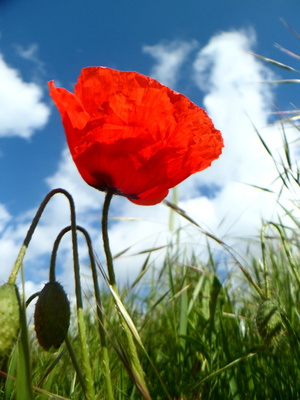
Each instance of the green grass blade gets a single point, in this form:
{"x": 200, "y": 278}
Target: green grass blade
{"x": 24, "y": 385}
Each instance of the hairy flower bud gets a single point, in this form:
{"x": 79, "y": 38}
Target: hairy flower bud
{"x": 9, "y": 317}
{"x": 52, "y": 316}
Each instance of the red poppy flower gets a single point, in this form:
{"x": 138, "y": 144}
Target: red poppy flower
{"x": 130, "y": 134}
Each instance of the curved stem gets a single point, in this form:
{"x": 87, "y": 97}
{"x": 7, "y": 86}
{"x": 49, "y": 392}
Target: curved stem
{"x": 14, "y": 273}
{"x": 52, "y": 277}
{"x": 90, "y": 393}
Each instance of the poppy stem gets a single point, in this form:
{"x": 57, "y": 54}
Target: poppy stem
{"x": 135, "y": 367}
{"x": 109, "y": 259}
{"x": 100, "y": 317}
{"x": 86, "y": 364}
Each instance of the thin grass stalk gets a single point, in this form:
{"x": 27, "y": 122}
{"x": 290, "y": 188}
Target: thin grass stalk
{"x": 137, "y": 337}
{"x": 293, "y": 337}
{"x": 183, "y": 323}
{"x": 287, "y": 252}
{"x": 135, "y": 365}
{"x": 172, "y": 213}
{"x": 76, "y": 365}
{"x": 51, "y": 367}
{"x": 228, "y": 249}
{"x": 24, "y": 377}
{"x": 11, "y": 373}
{"x": 265, "y": 263}
{"x": 230, "y": 365}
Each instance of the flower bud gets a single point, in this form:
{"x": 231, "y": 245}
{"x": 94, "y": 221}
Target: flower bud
{"x": 9, "y": 317}
{"x": 52, "y": 316}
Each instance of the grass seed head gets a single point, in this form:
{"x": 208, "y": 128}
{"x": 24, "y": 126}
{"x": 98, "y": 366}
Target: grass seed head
{"x": 268, "y": 321}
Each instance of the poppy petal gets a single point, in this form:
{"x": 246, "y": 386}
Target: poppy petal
{"x": 130, "y": 134}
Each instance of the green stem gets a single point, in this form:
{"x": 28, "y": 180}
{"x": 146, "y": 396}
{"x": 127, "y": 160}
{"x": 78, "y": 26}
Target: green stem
{"x": 102, "y": 333}
{"x": 19, "y": 261}
{"x": 24, "y": 375}
{"x": 90, "y": 391}
{"x": 135, "y": 365}
{"x": 52, "y": 276}
{"x": 109, "y": 259}
{"x": 76, "y": 365}
{"x": 88, "y": 387}
{"x": 86, "y": 366}
{"x": 105, "y": 358}
{"x": 16, "y": 268}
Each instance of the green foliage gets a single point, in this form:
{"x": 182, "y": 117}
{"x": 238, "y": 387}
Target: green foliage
{"x": 203, "y": 330}
{"x": 205, "y": 338}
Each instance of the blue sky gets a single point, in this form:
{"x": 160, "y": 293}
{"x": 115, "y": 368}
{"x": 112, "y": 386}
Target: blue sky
{"x": 196, "y": 47}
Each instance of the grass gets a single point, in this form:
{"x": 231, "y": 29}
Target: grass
{"x": 205, "y": 338}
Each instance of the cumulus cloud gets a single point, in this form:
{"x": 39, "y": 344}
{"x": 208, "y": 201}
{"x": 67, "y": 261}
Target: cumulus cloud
{"x": 239, "y": 104}
{"x": 219, "y": 198}
{"x": 22, "y": 112}
{"x": 22, "y": 109}
{"x": 237, "y": 101}
{"x": 169, "y": 57}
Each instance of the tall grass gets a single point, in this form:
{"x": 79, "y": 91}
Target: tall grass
{"x": 204, "y": 338}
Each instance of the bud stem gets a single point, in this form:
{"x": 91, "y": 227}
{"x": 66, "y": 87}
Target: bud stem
{"x": 16, "y": 268}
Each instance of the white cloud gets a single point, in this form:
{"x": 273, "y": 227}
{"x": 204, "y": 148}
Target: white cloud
{"x": 234, "y": 99}
{"x": 237, "y": 101}
{"x": 22, "y": 110}
{"x": 31, "y": 54}
{"x": 169, "y": 58}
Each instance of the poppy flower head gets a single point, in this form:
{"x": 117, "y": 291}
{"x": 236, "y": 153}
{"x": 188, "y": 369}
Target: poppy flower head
{"x": 134, "y": 136}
